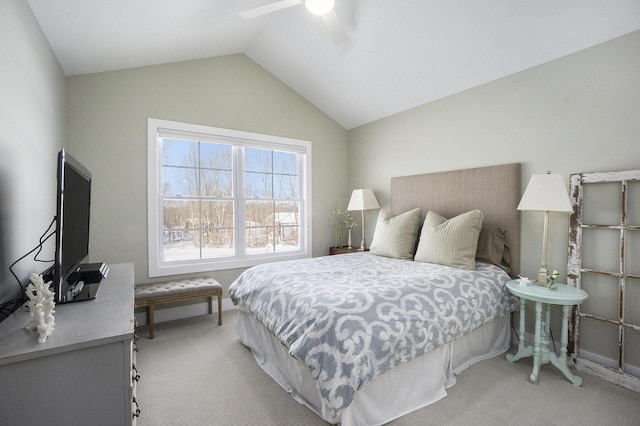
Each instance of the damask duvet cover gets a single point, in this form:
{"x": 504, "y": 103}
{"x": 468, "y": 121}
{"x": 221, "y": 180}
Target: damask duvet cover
{"x": 352, "y": 317}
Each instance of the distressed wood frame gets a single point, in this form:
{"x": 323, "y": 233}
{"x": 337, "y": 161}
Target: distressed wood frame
{"x": 575, "y": 272}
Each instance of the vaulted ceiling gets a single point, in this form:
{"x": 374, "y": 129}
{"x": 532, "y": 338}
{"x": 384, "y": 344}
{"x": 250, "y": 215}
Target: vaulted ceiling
{"x": 399, "y": 53}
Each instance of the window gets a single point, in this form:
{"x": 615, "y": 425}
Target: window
{"x": 221, "y": 199}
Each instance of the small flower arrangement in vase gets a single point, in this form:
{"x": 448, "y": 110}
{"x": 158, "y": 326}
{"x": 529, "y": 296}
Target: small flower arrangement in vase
{"x": 343, "y": 222}
{"x": 551, "y": 280}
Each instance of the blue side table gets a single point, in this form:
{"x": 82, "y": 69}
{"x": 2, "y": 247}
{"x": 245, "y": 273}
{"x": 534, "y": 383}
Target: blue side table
{"x": 565, "y": 296}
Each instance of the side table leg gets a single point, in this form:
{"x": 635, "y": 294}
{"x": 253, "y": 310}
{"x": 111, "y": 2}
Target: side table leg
{"x": 547, "y": 319}
{"x": 561, "y": 361}
{"x": 536, "y": 348}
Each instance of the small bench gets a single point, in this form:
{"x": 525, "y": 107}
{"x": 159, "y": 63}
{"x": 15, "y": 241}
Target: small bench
{"x": 150, "y": 295}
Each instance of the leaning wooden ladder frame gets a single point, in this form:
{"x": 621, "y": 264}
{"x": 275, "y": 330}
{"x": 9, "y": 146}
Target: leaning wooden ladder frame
{"x": 576, "y": 274}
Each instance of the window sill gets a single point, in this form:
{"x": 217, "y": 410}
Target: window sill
{"x": 219, "y": 265}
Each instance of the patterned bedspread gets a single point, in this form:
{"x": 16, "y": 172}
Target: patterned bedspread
{"x": 354, "y": 316}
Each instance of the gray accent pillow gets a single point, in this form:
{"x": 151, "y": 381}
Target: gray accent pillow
{"x": 491, "y": 243}
{"x": 451, "y": 242}
{"x": 396, "y": 236}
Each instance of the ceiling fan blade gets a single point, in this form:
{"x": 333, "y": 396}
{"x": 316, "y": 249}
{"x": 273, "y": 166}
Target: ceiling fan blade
{"x": 268, "y": 8}
{"x": 334, "y": 27}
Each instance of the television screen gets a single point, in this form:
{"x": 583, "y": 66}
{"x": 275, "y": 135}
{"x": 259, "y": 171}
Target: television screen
{"x": 72, "y": 227}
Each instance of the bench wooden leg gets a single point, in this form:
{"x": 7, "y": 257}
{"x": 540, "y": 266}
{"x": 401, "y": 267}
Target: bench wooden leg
{"x": 220, "y": 307}
{"x": 150, "y": 319}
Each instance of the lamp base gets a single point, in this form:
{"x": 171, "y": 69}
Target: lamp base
{"x": 542, "y": 276}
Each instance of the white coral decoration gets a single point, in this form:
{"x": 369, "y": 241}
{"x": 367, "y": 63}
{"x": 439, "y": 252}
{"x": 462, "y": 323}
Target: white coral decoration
{"x": 41, "y": 307}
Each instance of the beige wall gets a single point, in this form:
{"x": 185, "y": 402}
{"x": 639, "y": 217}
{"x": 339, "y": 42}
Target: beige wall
{"x": 107, "y": 114}
{"x": 579, "y": 113}
{"x": 32, "y": 130}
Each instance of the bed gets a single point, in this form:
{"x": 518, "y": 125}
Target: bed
{"x": 364, "y": 338}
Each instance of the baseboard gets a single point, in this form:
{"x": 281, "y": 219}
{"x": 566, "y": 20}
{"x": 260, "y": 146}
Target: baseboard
{"x": 608, "y": 362}
{"x": 171, "y": 312}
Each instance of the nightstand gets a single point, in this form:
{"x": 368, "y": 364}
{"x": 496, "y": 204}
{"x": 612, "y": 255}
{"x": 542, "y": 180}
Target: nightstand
{"x": 564, "y": 296}
{"x": 343, "y": 250}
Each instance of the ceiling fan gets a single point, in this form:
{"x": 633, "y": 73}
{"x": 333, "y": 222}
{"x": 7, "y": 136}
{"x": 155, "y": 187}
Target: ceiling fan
{"x": 323, "y": 8}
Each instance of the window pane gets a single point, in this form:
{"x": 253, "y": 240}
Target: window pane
{"x": 215, "y": 156}
{"x": 179, "y": 181}
{"x": 184, "y": 248}
{"x": 287, "y": 213}
{"x": 217, "y": 214}
{"x": 260, "y": 227}
{"x": 601, "y": 249}
{"x": 260, "y": 213}
{"x": 258, "y": 160}
{"x": 178, "y": 214}
{"x": 288, "y": 238}
{"x": 177, "y": 152}
{"x": 287, "y": 225}
{"x": 195, "y": 229}
{"x": 181, "y": 236}
{"x": 285, "y": 186}
{"x": 260, "y": 240}
{"x": 219, "y": 243}
{"x": 285, "y": 162}
{"x": 258, "y": 185}
{"x": 216, "y": 183}
{"x": 217, "y": 236}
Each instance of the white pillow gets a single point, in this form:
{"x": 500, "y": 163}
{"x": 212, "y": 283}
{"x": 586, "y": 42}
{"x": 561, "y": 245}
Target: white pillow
{"x": 452, "y": 242}
{"x": 396, "y": 236}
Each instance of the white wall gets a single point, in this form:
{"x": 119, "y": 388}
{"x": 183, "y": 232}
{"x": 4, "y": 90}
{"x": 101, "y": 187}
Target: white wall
{"x": 108, "y": 113}
{"x": 32, "y": 129}
{"x": 579, "y": 113}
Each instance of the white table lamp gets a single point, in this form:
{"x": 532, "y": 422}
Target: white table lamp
{"x": 546, "y": 193}
{"x": 363, "y": 199}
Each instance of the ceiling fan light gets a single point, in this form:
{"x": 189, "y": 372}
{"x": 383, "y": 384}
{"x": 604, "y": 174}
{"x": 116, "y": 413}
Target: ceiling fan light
{"x": 319, "y": 7}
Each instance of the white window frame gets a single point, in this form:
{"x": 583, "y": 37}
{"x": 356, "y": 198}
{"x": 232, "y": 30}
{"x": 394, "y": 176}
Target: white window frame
{"x": 155, "y": 127}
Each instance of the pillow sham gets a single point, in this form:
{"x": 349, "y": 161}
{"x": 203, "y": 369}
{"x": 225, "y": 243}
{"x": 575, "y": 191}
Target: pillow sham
{"x": 493, "y": 247}
{"x": 450, "y": 242}
{"x": 491, "y": 243}
{"x": 395, "y": 236}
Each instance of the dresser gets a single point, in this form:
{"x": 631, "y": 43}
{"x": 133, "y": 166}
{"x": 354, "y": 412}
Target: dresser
{"x": 85, "y": 371}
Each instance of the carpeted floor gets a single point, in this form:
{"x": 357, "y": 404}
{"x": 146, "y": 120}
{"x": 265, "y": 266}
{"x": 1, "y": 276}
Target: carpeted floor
{"x": 197, "y": 373}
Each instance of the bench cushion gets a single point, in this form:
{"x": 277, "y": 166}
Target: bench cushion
{"x": 186, "y": 286}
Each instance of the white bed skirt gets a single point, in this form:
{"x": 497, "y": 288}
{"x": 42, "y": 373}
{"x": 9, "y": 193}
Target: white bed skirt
{"x": 401, "y": 390}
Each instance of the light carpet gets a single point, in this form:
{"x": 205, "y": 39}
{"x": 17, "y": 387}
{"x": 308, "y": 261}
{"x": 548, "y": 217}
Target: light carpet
{"x": 198, "y": 373}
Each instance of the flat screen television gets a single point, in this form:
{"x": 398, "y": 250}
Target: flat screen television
{"x": 73, "y": 211}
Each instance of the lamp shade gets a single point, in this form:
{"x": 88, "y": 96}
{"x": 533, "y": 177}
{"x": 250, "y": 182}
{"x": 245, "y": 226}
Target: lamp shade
{"x": 546, "y": 193}
{"x": 363, "y": 199}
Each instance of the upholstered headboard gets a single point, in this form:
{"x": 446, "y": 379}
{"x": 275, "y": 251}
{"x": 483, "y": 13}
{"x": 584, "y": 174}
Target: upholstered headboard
{"x": 495, "y": 190}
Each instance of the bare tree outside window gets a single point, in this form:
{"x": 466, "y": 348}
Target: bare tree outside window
{"x": 199, "y": 207}
{"x": 272, "y": 205}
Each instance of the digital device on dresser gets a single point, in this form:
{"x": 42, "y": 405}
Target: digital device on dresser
{"x": 72, "y": 280}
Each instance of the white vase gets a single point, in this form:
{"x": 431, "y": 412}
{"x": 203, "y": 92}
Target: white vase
{"x": 349, "y": 240}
